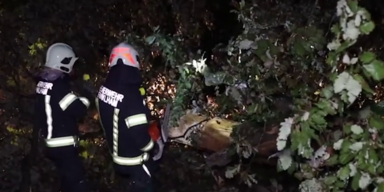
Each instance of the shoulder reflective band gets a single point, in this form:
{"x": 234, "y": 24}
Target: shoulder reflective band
{"x": 131, "y": 161}
{"x": 149, "y": 146}
{"x": 135, "y": 120}
{"x": 67, "y": 100}
{"x": 84, "y": 101}
{"x": 60, "y": 141}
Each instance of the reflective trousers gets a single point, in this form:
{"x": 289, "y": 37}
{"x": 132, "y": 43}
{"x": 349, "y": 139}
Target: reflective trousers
{"x": 140, "y": 176}
{"x": 70, "y": 168}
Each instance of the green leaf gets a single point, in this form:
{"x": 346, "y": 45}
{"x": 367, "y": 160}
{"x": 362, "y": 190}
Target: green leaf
{"x": 331, "y": 59}
{"x": 363, "y": 83}
{"x": 150, "y": 40}
{"x": 346, "y": 158}
{"x": 375, "y": 69}
{"x": 326, "y": 107}
{"x": 188, "y": 85}
{"x": 339, "y": 184}
{"x": 347, "y": 129}
{"x": 336, "y": 29}
{"x": 329, "y": 180}
{"x": 380, "y": 169}
{"x": 367, "y": 57}
{"x": 317, "y": 121}
{"x": 252, "y": 109}
{"x": 373, "y": 157}
{"x": 367, "y": 27}
{"x": 308, "y": 131}
{"x": 345, "y": 146}
{"x": 344, "y": 96}
{"x": 365, "y": 13}
{"x": 376, "y": 122}
{"x": 371, "y": 169}
{"x": 292, "y": 168}
{"x": 345, "y": 45}
{"x": 333, "y": 76}
{"x": 362, "y": 165}
{"x": 327, "y": 92}
{"x": 343, "y": 173}
{"x": 333, "y": 160}
{"x": 380, "y": 187}
{"x": 353, "y": 5}
{"x": 295, "y": 139}
{"x": 355, "y": 181}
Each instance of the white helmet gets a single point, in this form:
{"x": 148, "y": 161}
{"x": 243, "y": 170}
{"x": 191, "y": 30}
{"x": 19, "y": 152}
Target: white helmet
{"x": 60, "y": 56}
{"x": 126, "y": 53}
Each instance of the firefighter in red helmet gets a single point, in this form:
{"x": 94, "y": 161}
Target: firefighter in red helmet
{"x": 125, "y": 118}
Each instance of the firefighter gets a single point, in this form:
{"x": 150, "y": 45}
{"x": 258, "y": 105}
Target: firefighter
{"x": 57, "y": 110}
{"x": 125, "y": 118}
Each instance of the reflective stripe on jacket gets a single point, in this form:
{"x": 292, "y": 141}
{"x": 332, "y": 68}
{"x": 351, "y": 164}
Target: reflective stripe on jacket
{"x": 61, "y": 141}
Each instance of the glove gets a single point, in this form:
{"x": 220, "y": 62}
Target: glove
{"x": 142, "y": 91}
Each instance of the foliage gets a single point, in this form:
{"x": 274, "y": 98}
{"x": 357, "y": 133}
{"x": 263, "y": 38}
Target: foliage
{"x": 354, "y": 151}
{"x": 326, "y": 81}
{"x": 308, "y": 140}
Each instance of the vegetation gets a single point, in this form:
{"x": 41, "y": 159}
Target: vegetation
{"x": 309, "y": 72}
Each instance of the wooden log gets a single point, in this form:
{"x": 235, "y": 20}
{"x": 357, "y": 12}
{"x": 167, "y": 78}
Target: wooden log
{"x": 214, "y": 134}
{"x": 201, "y": 132}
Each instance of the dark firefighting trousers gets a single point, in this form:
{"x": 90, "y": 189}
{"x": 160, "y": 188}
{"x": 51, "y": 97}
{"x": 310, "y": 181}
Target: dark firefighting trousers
{"x": 136, "y": 169}
{"x": 139, "y": 176}
{"x": 130, "y": 145}
{"x": 69, "y": 167}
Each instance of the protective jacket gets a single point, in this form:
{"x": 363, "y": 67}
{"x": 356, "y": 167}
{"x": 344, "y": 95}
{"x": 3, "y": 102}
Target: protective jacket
{"x": 125, "y": 117}
{"x": 57, "y": 110}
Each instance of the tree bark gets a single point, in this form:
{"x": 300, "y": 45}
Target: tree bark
{"x": 214, "y": 134}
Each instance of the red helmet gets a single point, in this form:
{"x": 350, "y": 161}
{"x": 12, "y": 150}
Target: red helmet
{"x": 126, "y": 53}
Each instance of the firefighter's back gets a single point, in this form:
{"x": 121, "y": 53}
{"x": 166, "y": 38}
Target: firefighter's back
{"x": 56, "y": 112}
{"x": 54, "y": 122}
{"x": 115, "y": 105}
{"x": 125, "y": 117}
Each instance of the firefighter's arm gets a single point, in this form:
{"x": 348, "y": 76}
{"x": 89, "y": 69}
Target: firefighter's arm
{"x": 139, "y": 125}
{"x": 74, "y": 105}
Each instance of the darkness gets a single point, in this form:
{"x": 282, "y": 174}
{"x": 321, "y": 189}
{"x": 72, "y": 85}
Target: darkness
{"x": 226, "y": 26}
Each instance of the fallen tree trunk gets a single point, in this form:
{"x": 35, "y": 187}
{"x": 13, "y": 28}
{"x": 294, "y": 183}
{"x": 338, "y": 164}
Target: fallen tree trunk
{"x": 214, "y": 134}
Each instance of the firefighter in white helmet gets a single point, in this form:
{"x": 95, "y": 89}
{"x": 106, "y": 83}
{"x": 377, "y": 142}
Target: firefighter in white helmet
{"x": 125, "y": 118}
{"x": 57, "y": 110}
